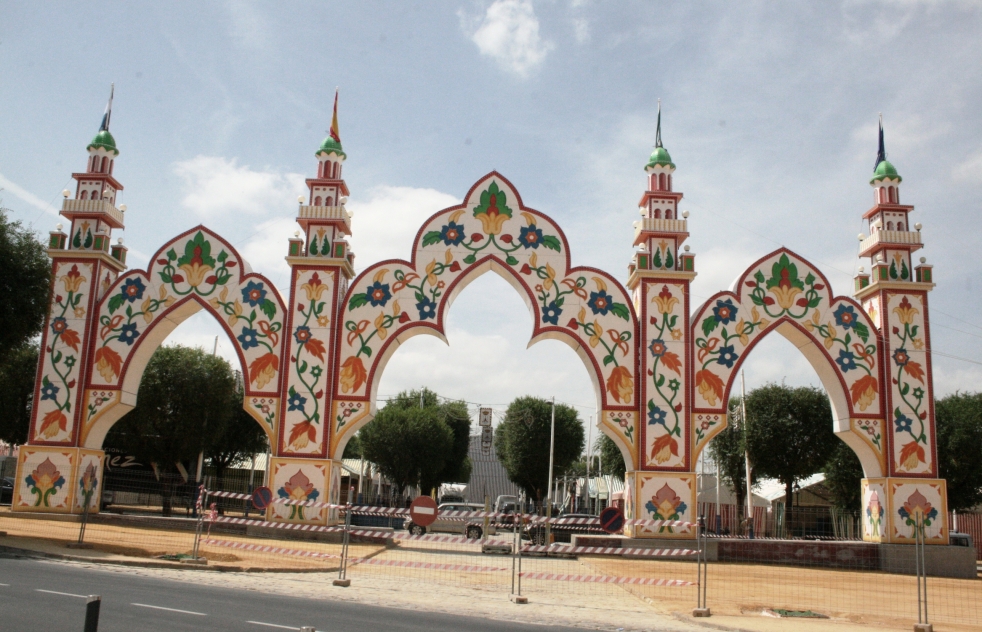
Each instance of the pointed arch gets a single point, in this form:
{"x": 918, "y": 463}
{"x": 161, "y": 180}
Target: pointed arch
{"x": 196, "y": 270}
{"x": 785, "y": 293}
{"x": 491, "y": 230}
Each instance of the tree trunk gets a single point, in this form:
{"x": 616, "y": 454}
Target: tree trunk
{"x": 788, "y": 509}
{"x": 166, "y": 495}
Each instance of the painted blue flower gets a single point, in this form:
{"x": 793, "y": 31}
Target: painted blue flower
{"x": 378, "y": 294}
{"x": 133, "y": 289}
{"x": 600, "y": 302}
{"x": 249, "y": 338}
{"x": 904, "y": 423}
{"x": 846, "y": 360}
{"x": 452, "y": 234}
{"x": 49, "y": 391}
{"x": 427, "y": 309}
{"x": 727, "y": 356}
{"x": 656, "y": 415}
{"x": 302, "y": 334}
{"x": 530, "y": 236}
{"x": 297, "y": 402}
{"x": 725, "y": 311}
{"x": 58, "y": 325}
{"x": 657, "y": 348}
{"x": 900, "y": 357}
{"x": 254, "y": 294}
{"x": 845, "y": 316}
{"x": 129, "y": 334}
{"x": 681, "y": 508}
{"x": 551, "y": 313}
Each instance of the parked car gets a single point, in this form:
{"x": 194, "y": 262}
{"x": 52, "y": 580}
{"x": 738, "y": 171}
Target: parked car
{"x": 473, "y": 528}
{"x": 6, "y": 491}
{"x": 564, "y": 528}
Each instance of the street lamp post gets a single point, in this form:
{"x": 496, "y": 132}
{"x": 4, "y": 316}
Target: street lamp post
{"x": 552, "y": 443}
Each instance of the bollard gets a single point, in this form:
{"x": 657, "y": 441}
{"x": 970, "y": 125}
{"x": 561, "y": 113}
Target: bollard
{"x": 92, "y": 613}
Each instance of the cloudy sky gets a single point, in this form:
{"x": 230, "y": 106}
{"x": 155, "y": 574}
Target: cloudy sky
{"x": 769, "y": 111}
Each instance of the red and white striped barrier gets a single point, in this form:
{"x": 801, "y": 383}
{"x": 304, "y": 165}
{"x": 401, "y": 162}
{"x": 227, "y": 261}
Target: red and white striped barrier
{"x": 244, "y": 546}
{"x": 608, "y": 550}
{"x": 605, "y": 579}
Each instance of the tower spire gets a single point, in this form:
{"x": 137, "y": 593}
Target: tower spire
{"x": 658, "y": 129}
{"x": 881, "y": 153}
{"x": 335, "y": 133}
{"x": 109, "y": 110}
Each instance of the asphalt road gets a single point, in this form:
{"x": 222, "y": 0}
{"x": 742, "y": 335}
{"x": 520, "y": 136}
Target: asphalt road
{"x": 49, "y": 596}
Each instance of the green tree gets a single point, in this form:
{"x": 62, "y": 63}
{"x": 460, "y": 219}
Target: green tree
{"x": 184, "y": 404}
{"x": 25, "y": 285}
{"x": 958, "y": 420}
{"x": 352, "y": 449}
{"x": 17, "y": 374}
{"x": 843, "y": 478}
{"x": 789, "y": 435}
{"x": 522, "y": 443}
{"x": 611, "y": 459}
{"x": 409, "y": 445}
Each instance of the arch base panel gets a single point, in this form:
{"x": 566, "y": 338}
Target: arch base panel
{"x": 660, "y": 496}
{"x": 57, "y": 480}
{"x": 893, "y": 507}
{"x": 304, "y": 480}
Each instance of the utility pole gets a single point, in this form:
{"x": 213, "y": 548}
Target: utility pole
{"x": 746, "y": 454}
{"x": 589, "y": 457}
{"x": 552, "y": 443}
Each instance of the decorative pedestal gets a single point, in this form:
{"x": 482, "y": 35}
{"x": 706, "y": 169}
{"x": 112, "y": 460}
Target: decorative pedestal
{"x": 893, "y": 506}
{"x": 57, "y": 480}
{"x": 304, "y": 480}
{"x": 660, "y": 496}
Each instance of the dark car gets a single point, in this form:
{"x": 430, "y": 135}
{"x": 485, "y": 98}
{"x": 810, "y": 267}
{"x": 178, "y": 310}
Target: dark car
{"x": 6, "y": 491}
{"x": 564, "y": 528}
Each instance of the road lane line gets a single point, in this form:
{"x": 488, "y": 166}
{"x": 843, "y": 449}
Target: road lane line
{"x": 273, "y": 625}
{"x": 144, "y": 605}
{"x": 4, "y": 584}
{"x": 55, "y": 592}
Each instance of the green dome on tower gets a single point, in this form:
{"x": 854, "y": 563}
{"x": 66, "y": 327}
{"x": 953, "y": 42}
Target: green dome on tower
{"x": 330, "y": 145}
{"x": 660, "y": 157}
{"x": 883, "y": 171}
{"x": 104, "y": 140}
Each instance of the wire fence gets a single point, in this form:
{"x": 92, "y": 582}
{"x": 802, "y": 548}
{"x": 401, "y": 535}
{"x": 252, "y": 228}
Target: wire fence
{"x": 473, "y": 552}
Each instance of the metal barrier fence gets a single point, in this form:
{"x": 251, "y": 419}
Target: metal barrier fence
{"x": 727, "y": 576}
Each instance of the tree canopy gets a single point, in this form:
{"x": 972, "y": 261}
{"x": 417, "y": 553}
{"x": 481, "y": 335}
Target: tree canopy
{"x": 728, "y": 451}
{"x": 958, "y": 418}
{"x": 25, "y": 285}
{"x": 240, "y": 437}
{"x": 17, "y": 374}
{"x": 843, "y": 478}
{"x": 418, "y": 440}
{"x": 611, "y": 459}
{"x": 522, "y": 443}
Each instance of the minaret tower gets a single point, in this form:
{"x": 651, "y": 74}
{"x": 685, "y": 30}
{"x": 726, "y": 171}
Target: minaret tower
{"x": 92, "y": 212}
{"x": 324, "y": 220}
{"x": 891, "y": 242}
{"x": 660, "y": 275}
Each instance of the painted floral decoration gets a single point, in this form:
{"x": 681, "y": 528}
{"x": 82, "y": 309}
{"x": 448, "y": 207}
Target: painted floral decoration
{"x": 44, "y": 482}
{"x": 917, "y": 512}
{"x": 665, "y": 505}
{"x": 298, "y": 488}
{"x": 874, "y": 513}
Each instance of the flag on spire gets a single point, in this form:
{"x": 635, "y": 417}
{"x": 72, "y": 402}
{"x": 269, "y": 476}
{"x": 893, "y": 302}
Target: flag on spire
{"x": 658, "y": 129}
{"x": 109, "y": 110}
{"x": 881, "y": 153}
{"x": 335, "y": 134}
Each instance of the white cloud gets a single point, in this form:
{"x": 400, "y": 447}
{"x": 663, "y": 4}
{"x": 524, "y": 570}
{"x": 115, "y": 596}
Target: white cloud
{"x": 27, "y": 196}
{"x": 385, "y": 225}
{"x": 509, "y": 34}
{"x": 266, "y": 251}
{"x": 216, "y": 186}
{"x": 581, "y": 28}
{"x": 970, "y": 170}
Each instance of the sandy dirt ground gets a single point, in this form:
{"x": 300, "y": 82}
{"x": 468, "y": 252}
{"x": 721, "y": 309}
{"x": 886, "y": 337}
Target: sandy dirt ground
{"x": 459, "y": 578}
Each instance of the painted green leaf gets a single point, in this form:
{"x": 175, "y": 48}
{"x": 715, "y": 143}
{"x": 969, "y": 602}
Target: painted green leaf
{"x": 656, "y": 260}
{"x": 366, "y": 350}
{"x": 166, "y": 278}
{"x": 115, "y": 302}
{"x": 559, "y": 301}
{"x": 810, "y": 279}
{"x": 512, "y": 261}
{"x": 431, "y": 238}
{"x": 197, "y": 249}
{"x": 222, "y": 257}
{"x": 861, "y": 330}
{"x": 313, "y": 245}
{"x": 88, "y": 239}
{"x": 302, "y": 368}
{"x": 292, "y": 391}
{"x": 759, "y": 276}
{"x": 552, "y": 242}
{"x": 672, "y": 321}
{"x": 500, "y": 201}
{"x": 77, "y": 240}
{"x": 904, "y": 272}
{"x": 269, "y": 308}
{"x": 357, "y": 301}
{"x": 621, "y": 311}
{"x": 893, "y": 270}
{"x": 171, "y": 255}
{"x": 669, "y": 260}
{"x": 913, "y": 331}
{"x": 471, "y": 258}
{"x": 709, "y": 325}
{"x": 608, "y": 360}
{"x": 660, "y": 381}
{"x": 848, "y": 339}
{"x": 326, "y": 248}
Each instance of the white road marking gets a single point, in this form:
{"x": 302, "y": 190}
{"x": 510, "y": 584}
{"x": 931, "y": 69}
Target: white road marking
{"x": 144, "y": 605}
{"x": 55, "y": 592}
{"x": 4, "y": 584}
{"x": 273, "y": 625}
{"x": 429, "y": 511}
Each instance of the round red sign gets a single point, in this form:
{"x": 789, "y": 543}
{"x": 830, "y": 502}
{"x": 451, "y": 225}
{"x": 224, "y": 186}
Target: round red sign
{"x": 423, "y": 511}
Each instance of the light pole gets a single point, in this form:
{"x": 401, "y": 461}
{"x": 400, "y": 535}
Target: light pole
{"x": 552, "y": 442}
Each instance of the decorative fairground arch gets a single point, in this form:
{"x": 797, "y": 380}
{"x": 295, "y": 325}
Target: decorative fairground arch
{"x": 662, "y": 369}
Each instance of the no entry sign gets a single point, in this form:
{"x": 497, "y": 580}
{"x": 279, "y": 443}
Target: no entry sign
{"x": 261, "y": 497}
{"x": 423, "y": 511}
{"x": 612, "y": 519}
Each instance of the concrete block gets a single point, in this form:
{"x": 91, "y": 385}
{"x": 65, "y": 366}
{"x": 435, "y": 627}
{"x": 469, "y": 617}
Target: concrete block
{"x": 940, "y": 560}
